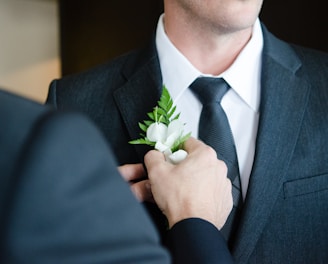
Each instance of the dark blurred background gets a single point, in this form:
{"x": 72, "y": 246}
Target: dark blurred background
{"x": 95, "y": 31}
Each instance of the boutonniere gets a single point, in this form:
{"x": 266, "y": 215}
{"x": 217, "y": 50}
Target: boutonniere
{"x": 164, "y": 131}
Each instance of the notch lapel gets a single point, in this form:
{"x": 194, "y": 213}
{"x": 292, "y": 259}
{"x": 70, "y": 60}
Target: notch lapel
{"x": 139, "y": 94}
{"x": 283, "y": 98}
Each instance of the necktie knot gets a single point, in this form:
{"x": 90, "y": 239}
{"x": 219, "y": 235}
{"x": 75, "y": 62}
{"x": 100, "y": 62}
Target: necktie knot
{"x": 209, "y": 89}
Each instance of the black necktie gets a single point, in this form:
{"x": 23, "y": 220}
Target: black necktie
{"x": 214, "y": 130}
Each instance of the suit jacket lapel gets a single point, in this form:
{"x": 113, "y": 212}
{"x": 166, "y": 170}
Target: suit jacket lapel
{"x": 282, "y": 93}
{"x": 140, "y": 92}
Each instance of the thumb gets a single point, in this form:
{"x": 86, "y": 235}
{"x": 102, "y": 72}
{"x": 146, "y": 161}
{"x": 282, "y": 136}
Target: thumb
{"x": 191, "y": 144}
{"x": 154, "y": 158}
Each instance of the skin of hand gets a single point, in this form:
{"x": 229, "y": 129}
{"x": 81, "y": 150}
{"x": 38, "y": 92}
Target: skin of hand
{"x": 197, "y": 187}
{"x": 135, "y": 175}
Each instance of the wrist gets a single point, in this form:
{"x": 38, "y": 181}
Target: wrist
{"x": 174, "y": 218}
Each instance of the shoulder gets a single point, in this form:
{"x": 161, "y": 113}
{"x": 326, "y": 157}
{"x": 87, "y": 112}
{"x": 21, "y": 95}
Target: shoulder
{"x": 304, "y": 60}
{"x": 311, "y": 55}
{"x": 18, "y": 116}
{"x": 315, "y": 70}
{"x": 23, "y": 117}
{"x": 313, "y": 60}
{"x": 305, "y": 64}
{"x": 17, "y": 108}
{"x": 115, "y": 71}
{"x": 97, "y": 85}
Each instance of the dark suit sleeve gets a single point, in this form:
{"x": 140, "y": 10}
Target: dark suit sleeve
{"x": 70, "y": 205}
{"x": 195, "y": 241}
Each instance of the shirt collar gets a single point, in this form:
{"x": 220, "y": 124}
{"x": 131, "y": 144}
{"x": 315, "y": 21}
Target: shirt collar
{"x": 243, "y": 75}
{"x": 177, "y": 72}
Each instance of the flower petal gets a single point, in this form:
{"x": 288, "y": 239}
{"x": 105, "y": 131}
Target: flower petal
{"x": 162, "y": 147}
{"x": 172, "y": 138}
{"x": 157, "y": 132}
{"x": 174, "y": 132}
{"x": 176, "y": 126}
{"x": 178, "y": 156}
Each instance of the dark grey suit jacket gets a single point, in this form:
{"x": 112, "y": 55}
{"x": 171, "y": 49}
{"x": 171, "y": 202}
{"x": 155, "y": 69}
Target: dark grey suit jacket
{"x": 63, "y": 201}
{"x": 284, "y": 219}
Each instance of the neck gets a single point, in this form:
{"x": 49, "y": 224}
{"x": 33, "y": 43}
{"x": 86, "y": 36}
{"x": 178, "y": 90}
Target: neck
{"x": 211, "y": 52}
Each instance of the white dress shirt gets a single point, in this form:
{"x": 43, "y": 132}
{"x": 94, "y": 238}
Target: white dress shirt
{"x": 241, "y": 102}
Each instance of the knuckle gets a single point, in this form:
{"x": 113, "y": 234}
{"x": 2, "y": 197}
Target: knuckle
{"x": 138, "y": 191}
{"x": 223, "y": 166}
{"x": 209, "y": 154}
{"x": 229, "y": 184}
{"x": 147, "y": 156}
{"x": 210, "y": 151}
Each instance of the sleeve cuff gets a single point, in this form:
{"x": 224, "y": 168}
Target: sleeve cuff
{"x": 195, "y": 240}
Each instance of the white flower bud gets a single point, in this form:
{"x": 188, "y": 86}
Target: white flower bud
{"x": 177, "y": 156}
{"x": 157, "y": 132}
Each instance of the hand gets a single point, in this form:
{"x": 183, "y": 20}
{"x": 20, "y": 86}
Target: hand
{"x": 196, "y": 187}
{"x": 135, "y": 174}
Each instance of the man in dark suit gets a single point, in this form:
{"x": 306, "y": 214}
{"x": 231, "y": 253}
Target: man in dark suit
{"x": 277, "y": 108}
{"x": 63, "y": 201}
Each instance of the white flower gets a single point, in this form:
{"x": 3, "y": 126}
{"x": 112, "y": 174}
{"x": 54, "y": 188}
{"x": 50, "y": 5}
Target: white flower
{"x": 165, "y": 137}
{"x": 164, "y": 131}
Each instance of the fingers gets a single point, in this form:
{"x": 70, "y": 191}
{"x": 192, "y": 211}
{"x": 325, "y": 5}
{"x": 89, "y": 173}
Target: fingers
{"x": 135, "y": 174}
{"x": 142, "y": 191}
{"x": 132, "y": 172}
{"x": 154, "y": 158}
{"x": 191, "y": 144}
